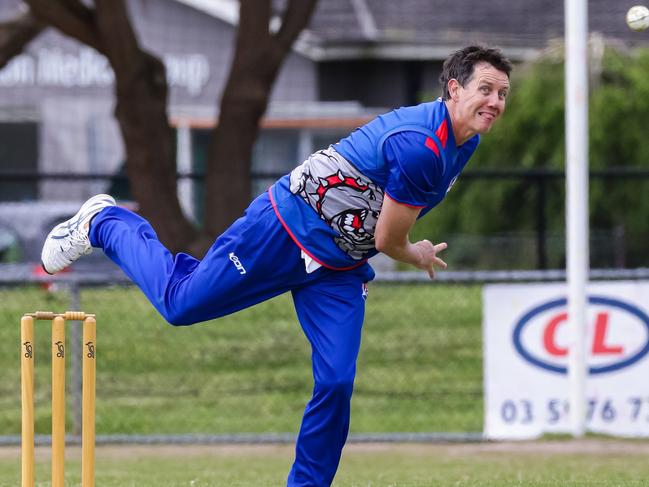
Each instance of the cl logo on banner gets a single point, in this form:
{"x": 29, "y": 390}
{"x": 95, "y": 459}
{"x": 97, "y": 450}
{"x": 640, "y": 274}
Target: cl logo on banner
{"x": 618, "y": 335}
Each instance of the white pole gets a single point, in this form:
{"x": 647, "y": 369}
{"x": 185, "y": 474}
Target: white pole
{"x": 576, "y": 28}
{"x": 184, "y": 165}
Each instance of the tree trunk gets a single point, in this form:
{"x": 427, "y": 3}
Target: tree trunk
{"x": 16, "y": 34}
{"x": 141, "y": 93}
{"x": 141, "y": 101}
{"x": 150, "y": 156}
{"x": 258, "y": 57}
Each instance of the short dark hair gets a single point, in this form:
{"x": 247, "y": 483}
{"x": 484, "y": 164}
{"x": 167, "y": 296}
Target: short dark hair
{"x": 460, "y": 65}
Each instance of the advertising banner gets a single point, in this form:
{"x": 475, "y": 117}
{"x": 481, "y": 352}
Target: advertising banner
{"x": 526, "y": 357}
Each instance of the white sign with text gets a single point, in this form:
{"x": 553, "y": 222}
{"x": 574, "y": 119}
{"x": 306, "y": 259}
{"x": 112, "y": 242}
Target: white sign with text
{"x": 525, "y": 331}
{"x": 86, "y": 68}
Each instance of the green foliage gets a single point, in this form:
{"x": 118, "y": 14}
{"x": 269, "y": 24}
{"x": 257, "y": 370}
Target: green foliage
{"x": 531, "y": 136}
{"x": 618, "y": 131}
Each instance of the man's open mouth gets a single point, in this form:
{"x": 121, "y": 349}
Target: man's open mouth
{"x": 489, "y": 117}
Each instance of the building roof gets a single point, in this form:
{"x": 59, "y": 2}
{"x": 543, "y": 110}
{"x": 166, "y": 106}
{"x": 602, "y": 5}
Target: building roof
{"x": 430, "y": 29}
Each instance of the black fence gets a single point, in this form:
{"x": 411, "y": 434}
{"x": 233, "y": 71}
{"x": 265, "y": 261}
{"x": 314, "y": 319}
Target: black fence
{"x": 614, "y": 245}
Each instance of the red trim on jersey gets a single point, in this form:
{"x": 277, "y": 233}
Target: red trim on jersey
{"x": 430, "y": 143}
{"x": 418, "y": 207}
{"x": 442, "y": 133}
{"x": 297, "y": 242}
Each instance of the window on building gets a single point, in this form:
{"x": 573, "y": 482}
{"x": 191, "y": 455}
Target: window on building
{"x": 18, "y": 154}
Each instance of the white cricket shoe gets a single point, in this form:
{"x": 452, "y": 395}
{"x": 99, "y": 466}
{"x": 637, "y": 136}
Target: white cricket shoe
{"x": 69, "y": 240}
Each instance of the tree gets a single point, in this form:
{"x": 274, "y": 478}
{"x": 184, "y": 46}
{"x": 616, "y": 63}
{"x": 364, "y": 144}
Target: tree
{"x": 141, "y": 100}
{"x": 16, "y": 34}
{"x": 257, "y": 59}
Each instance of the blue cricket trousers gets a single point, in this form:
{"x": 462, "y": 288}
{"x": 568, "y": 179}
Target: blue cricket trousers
{"x": 255, "y": 260}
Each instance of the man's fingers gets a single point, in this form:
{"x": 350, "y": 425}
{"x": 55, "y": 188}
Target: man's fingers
{"x": 440, "y": 246}
{"x": 429, "y": 250}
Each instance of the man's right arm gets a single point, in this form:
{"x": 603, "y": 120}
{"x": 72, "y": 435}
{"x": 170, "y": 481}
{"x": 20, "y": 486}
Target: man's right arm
{"x": 415, "y": 166}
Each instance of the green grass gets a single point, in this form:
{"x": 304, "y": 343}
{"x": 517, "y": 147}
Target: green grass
{"x": 419, "y": 370}
{"x": 551, "y": 464}
{"x": 420, "y": 366}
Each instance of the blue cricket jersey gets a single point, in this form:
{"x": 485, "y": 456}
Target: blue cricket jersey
{"x": 330, "y": 203}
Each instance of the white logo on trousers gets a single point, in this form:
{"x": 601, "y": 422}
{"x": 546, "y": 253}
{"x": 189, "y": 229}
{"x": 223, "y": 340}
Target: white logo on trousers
{"x": 237, "y": 263}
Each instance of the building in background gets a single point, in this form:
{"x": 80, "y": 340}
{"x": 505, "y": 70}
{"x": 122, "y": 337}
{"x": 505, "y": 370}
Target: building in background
{"x": 356, "y": 59}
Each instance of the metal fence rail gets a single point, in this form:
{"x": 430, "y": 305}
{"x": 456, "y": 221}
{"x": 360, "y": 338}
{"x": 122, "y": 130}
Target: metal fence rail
{"x": 23, "y": 274}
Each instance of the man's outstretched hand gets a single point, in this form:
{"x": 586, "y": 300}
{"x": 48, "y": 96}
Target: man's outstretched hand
{"x": 428, "y": 256}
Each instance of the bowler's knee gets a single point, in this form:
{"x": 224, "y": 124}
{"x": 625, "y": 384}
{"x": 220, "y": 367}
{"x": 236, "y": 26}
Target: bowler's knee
{"x": 177, "y": 316}
{"x": 340, "y": 387}
{"x": 185, "y": 315}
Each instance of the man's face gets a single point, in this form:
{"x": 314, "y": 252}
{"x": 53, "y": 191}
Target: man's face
{"x": 482, "y": 100}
